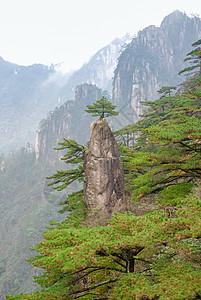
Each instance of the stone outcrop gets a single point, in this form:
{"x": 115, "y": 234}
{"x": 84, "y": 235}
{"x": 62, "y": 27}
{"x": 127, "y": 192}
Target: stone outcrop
{"x": 104, "y": 176}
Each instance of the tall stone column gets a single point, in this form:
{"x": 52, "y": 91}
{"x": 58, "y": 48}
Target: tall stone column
{"x": 104, "y": 177}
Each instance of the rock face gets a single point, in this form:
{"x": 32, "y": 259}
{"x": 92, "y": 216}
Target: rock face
{"x": 153, "y": 59}
{"x": 70, "y": 121}
{"x": 99, "y": 70}
{"x": 104, "y": 177}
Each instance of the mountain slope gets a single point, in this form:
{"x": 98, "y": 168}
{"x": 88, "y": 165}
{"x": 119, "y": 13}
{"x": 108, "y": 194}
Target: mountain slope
{"x": 99, "y": 70}
{"x": 26, "y": 95}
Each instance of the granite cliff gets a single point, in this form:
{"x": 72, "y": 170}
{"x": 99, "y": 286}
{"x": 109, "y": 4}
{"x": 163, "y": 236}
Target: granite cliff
{"x": 70, "y": 121}
{"x": 99, "y": 70}
{"x": 153, "y": 59}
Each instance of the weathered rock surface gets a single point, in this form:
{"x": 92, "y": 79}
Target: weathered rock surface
{"x": 152, "y": 60}
{"x": 99, "y": 70}
{"x": 70, "y": 121}
{"x": 104, "y": 176}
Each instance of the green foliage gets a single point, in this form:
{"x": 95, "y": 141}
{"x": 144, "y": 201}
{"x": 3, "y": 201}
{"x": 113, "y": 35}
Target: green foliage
{"x": 194, "y": 58}
{"x": 102, "y": 108}
{"x": 63, "y": 178}
{"x": 166, "y": 91}
{"x": 66, "y": 177}
{"x": 23, "y": 216}
{"x": 75, "y": 155}
{"x": 156, "y": 255}
{"x": 171, "y": 148}
{"x": 76, "y": 208}
{"x": 177, "y": 160}
{"x": 121, "y": 251}
{"x": 75, "y": 152}
{"x": 170, "y": 280}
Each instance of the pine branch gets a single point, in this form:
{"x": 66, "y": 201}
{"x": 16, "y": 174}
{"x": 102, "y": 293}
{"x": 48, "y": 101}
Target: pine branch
{"x": 93, "y": 287}
{"x": 97, "y": 269}
{"x": 105, "y": 298}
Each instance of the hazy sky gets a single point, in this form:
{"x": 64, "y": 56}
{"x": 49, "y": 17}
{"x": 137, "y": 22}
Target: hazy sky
{"x": 71, "y": 31}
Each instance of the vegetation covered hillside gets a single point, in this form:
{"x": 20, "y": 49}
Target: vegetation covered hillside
{"x": 153, "y": 251}
{"x": 25, "y": 209}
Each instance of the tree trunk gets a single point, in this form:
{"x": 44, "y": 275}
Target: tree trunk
{"x": 130, "y": 265}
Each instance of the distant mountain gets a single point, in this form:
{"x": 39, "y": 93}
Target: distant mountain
{"x": 132, "y": 71}
{"x": 99, "y": 70}
{"x": 27, "y": 94}
{"x": 153, "y": 59}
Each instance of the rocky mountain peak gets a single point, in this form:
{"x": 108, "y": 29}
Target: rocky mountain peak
{"x": 85, "y": 93}
{"x": 104, "y": 176}
{"x": 175, "y": 16}
{"x": 99, "y": 70}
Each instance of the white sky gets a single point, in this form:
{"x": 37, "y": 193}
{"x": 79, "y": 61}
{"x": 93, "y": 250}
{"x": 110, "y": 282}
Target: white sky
{"x": 71, "y": 31}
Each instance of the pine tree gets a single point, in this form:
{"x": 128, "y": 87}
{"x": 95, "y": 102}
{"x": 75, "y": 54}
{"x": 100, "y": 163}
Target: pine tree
{"x": 194, "y": 58}
{"x": 63, "y": 178}
{"x": 75, "y": 155}
{"x": 102, "y": 108}
{"x": 166, "y": 91}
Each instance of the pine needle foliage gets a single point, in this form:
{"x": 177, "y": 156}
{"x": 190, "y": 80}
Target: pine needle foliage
{"x": 74, "y": 204}
{"x": 74, "y": 156}
{"x": 194, "y": 58}
{"x": 102, "y": 108}
{"x": 166, "y": 91}
{"x": 117, "y": 261}
{"x": 167, "y": 153}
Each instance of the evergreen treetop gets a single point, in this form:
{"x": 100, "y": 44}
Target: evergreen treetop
{"x": 102, "y": 108}
{"x": 194, "y": 58}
